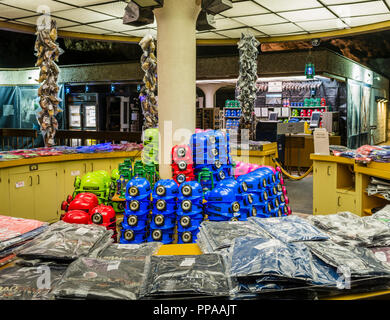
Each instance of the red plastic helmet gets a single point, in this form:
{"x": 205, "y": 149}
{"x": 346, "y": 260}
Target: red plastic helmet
{"x": 182, "y": 153}
{"x": 84, "y": 202}
{"x": 76, "y": 216}
{"x": 105, "y": 216}
{"x": 64, "y": 206}
{"x": 69, "y": 199}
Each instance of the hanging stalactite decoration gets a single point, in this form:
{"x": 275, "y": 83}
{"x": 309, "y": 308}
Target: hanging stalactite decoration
{"x": 149, "y": 89}
{"x": 246, "y": 83}
{"x": 47, "y": 52}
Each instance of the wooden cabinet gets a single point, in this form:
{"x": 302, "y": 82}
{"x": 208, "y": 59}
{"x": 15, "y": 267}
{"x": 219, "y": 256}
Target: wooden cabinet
{"x": 346, "y": 202}
{"x": 21, "y": 193}
{"x": 324, "y": 184}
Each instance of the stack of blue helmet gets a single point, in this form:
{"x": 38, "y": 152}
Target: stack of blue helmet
{"x": 138, "y": 204}
{"x": 269, "y": 200}
{"x": 189, "y": 211}
{"x": 210, "y": 150}
{"x": 222, "y": 205}
{"x": 244, "y": 198}
{"x": 163, "y": 222}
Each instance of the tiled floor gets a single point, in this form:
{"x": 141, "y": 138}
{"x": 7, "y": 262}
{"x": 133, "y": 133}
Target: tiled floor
{"x": 300, "y": 195}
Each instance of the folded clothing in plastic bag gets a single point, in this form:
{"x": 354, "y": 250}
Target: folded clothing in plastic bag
{"x": 383, "y": 214}
{"x": 66, "y": 241}
{"x": 289, "y": 229}
{"x": 187, "y": 275}
{"x": 346, "y": 228}
{"x": 29, "y": 283}
{"x": 252, "y": 259}
{"x": 357, "y": 261}
{"x": 221, "y": 234}
{"x": 382, "y": 254}
{"x": 15, "y": 230}
{"x": 118, "y": 251}
{"x": 93, "y": 278}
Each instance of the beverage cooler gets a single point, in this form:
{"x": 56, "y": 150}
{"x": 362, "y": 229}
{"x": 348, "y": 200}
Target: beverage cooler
{"x": 82, "y": 114}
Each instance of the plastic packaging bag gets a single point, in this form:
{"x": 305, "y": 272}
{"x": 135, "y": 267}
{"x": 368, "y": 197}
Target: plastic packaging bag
{"x": 221, "y": 234}
{"x": 346, "y": 228}
{"x": 187, "y": 275}
{"x": 66, "y": 241}
{"x": 91, "y": 278}
{"x": 289, "y": 229}
{"x": 117, "y": 251}
{"x": 23, "y": 283}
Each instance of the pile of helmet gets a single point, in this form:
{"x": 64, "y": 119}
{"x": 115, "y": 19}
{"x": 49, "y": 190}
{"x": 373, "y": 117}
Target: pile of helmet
{"x": 137, "y": 211}
{"x": 150, "y": 142}
{"x": 96, "y": 182}
{"x": 84, "y": 208}
{"x": 189, "y": 211}
{"x": 163, "y": 222}
{"x": 182, "y": 164}
{"x": 211, "y": 157}
{"x": 269, "y": 196}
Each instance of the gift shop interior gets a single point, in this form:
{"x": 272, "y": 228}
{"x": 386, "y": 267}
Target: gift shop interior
{"x": 182, "y": 149}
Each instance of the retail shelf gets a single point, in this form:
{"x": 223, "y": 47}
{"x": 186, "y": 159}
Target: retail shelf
{"x": 318, "y": 107}
{"x": 232, "y": 117}
{"x": 377, "y": 196}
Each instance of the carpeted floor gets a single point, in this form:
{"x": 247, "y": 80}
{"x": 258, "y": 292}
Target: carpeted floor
{"x": 300, "y": 194}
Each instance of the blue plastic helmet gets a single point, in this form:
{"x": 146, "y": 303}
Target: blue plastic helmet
{"x": 165, "y": 189}
{"x": 133, "y": 222}
{"x": 188, "y": 223}
{"x": 163, "y": 222}
{"x": 251, "y": 183}
{"x": 221, "y": 195}
{"x": 271, "y": 177}
{"x": 230, "y": 182}
{"x": 187, "y": 206}
{"x": 187, "y": 237}
{"x": 164, "y": 236}
{"x": 190, "y": 190}
{"x": 138, "y": 189}
{"x": 131, "y": 236}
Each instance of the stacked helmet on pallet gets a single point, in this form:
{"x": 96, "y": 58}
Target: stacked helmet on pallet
{"x": 211, "y": 156}
{"x": 244, "y": 198}
{"x": 163, "y": 222}
{"x": 138, "y": 204}
{"x": 150, "y": 142}
{"x": 269, "y": 197}
{"x": 182, "y": 164}
{"x": 222, "y": 205}
{"x": 189, "y": 211}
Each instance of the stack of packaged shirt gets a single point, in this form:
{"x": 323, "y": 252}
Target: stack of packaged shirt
{"x": 116, "y": 271}
{"x": 364, "y": 154}
{"x": 379, "y": 186}
{"x": 14, "y": 232}
{"x": 184, "y": 276}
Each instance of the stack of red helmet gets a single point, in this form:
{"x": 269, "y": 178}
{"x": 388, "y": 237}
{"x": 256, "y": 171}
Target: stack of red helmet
{"x": 85, "y": 209}
{"x": 182, "y": 164}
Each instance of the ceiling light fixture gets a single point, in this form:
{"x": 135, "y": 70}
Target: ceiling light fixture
{"x": 136, "y": 16}
{"x": 149, "y": 3}
{"x": 205, "y": 21}
{"x": 216, "y": 6}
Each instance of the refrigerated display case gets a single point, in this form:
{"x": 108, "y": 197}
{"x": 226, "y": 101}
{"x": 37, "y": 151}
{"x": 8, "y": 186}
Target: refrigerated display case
{"x": 82, "y": 114}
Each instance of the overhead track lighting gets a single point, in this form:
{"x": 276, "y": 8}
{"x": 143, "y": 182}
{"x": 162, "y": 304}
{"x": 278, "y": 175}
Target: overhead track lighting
{"x": 136, "y": 16}
{"x": 216, "y": 6}
{"x": 149, "y": 3}
{"x": 205, "y": 21}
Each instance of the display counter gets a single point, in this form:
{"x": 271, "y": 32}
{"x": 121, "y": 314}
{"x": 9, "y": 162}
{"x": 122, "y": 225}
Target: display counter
{"x": 339, "y": 184}
{"x": 34, "y": 188}
{"x": 298, "y": 148}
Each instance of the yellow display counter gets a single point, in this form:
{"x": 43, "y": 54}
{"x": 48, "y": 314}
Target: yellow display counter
{"x": 339, "y": 184}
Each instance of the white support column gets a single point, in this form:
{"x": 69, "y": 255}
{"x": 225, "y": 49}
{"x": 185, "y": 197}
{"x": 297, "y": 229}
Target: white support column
{"x": 176, "y": 74}
{"x": 209, "y": 91}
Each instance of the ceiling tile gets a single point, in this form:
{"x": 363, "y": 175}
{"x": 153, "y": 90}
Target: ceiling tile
{"x": 361, "y": 21}
{"x": 33, "y": 4}
{"x": 236, "y": 33}
{"x": 284, "y": 5}
{"x": 308, "y": 15}
{"x": 243, "y": 9}
{"x": 12, "y": 13}
{"x": 209, "y": 35}
{"x": 84, "y": 29}
{"x": 116, "y": 9}
{"x": 141, "y": 33}
{"x": 227, "y": 23}
{"x": 61, "y": 23}
{"x": 115, "y": 25}
{"x": 330, "y": 2}
{"x": 82, "y": 15}
{"x": 83, "y": 3}
{"x": 284, "y": 28}
{"x": 333, "y": 24}
{"x": 262, "y": 19}
{"x": 359, "y": 9}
